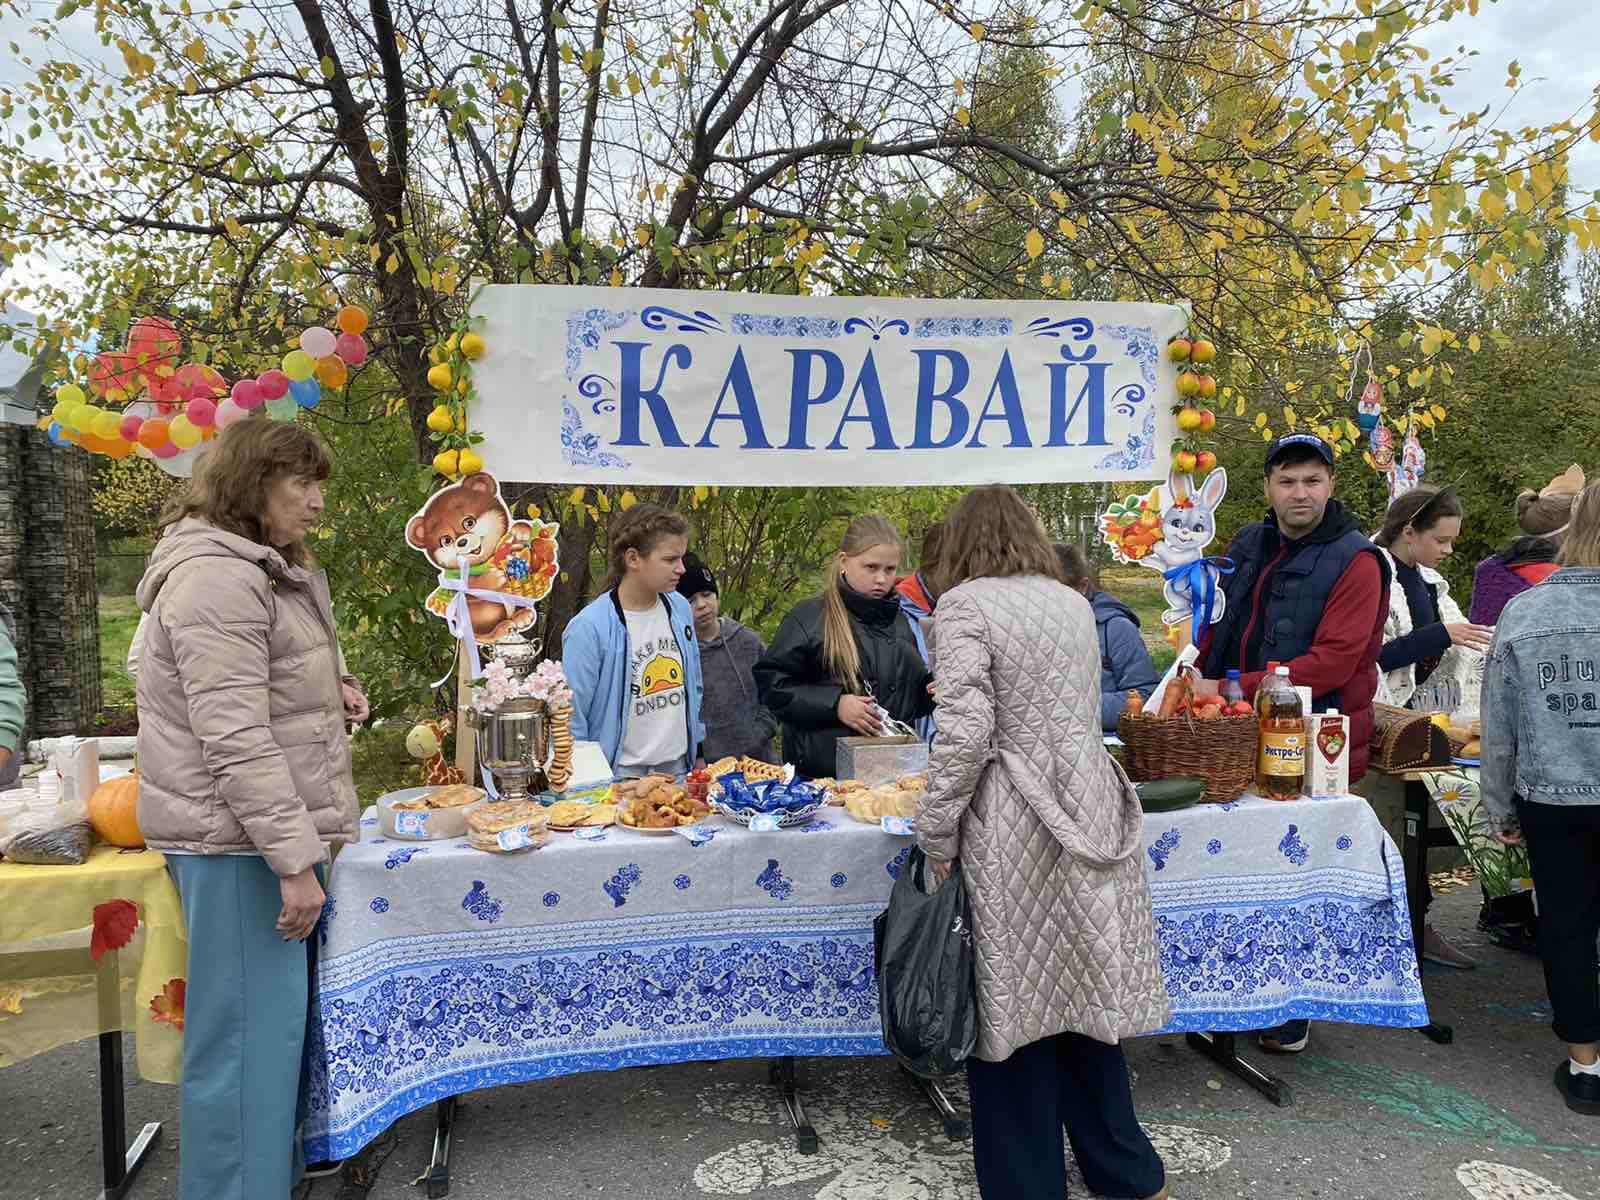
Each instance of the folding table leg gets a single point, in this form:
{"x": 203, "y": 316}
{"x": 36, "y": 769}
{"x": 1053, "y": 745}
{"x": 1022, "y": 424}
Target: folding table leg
{"x": 956, "y": 1127}
{"x": 120, "y": 1162}
{"x": 1221, "y": 1048}
{"x": 783, "y": 1073}
{"x": 1418, "y": 841}
{"x": 438, "y": 1172}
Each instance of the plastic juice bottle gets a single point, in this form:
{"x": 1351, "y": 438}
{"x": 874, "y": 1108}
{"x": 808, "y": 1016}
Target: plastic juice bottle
{"x": 1281, "y": 761}
{"x": 1264, "y": 685}
{"x": 1231, "y": 689}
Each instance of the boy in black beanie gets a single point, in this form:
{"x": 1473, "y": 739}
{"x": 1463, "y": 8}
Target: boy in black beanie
{"x": 735, "y": 720}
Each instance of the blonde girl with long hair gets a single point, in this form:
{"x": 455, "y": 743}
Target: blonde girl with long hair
{"x": 847, "y": 657}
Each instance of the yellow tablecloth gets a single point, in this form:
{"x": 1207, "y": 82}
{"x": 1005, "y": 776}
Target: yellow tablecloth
{"x": 50, "y": 993}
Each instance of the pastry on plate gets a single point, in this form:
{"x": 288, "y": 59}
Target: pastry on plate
{"x": 723, "y": 766}
{"x": 913, "y": 783}
{"x": 756, "y": 771}
{"x": 457, "y": 795}
{"x": 410, "y": 804}
{"x": 486, "y": 824}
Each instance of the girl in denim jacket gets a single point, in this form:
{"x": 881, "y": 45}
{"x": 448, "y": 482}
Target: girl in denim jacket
{"x": 1541, "y": 779}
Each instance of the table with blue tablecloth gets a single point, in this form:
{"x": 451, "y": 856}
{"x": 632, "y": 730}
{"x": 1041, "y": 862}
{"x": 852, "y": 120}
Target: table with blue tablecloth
{"x": 445, "y": 970}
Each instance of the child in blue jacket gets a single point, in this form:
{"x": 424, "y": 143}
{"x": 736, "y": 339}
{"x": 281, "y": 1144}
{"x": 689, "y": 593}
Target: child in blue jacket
{"x": 631, "y": 656}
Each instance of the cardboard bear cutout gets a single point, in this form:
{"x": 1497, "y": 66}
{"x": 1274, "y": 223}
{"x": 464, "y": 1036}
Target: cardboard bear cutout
{"x": 495, "y": 567}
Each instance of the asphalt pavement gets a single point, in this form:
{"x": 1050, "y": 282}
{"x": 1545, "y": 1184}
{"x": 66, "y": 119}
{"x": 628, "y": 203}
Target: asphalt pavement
{"x": 1376, "y": 1115}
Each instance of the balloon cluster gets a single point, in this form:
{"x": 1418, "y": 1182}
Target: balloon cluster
{"x": 187, "y": 405}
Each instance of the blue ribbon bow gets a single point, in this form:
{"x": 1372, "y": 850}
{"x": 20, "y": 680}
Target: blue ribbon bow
{"x": 1199, "y": 578}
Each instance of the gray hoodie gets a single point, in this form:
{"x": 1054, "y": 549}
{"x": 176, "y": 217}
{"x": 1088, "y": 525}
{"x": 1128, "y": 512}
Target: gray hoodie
{"x": 736, "y": 721}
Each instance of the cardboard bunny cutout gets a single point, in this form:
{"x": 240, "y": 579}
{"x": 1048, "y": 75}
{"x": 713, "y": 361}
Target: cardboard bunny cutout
{"x": 1188, "y": 526}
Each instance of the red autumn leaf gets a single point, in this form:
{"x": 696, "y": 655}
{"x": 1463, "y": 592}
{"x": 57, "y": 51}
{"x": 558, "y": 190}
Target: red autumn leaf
{"x": 167, "y": 1006}
{"x": 114, "y": 923}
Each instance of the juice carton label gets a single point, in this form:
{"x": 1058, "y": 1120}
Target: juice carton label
{"x": 1328, "y": 773}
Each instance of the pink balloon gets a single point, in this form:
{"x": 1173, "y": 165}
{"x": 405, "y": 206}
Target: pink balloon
{"x": 166, "y": 450}
{"x": 318, "y": 342}
{"x": 249, "y": 393}
{"x": 274, "y": 384}
{"x": 129, "y": 428}
{"x": 228, "y": 412}
{"x": 202, "y": 412}
{"x": 352, "y": 348}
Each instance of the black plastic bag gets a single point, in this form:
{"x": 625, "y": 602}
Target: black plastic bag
{"x": 923, "y": 955}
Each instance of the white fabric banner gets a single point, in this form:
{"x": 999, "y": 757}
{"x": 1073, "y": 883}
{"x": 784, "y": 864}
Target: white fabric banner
{"x": 640, "y": 386}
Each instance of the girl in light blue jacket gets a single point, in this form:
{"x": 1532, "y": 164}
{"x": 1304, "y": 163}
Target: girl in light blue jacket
{"x": 631, "y": 656}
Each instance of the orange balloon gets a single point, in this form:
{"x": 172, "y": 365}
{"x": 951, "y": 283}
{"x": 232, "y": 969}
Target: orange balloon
{"x": 118, "y": 448}
{"x": 352, "y": 319}
{"x": 331, "y": 371}
{"x": 153, "y": 434}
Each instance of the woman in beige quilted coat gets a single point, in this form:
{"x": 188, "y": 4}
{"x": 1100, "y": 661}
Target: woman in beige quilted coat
{"x": 1047, "y": 831}
{"x": 244, "y": 784}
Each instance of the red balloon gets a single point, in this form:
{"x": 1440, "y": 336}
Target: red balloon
{"x": 164, "y": 389}
{"x": 130, "y": 427}
{"x": 197, "y": 379}
{"x": 112, "y": 375}
{"x": 352, "y": 347}
{"x": 201, "y": 412}
{"x": 154, "y": 343}
{"x": 274, "y": 384}
{"x": 248, "y": 394}
{"x": 166, "y": 450}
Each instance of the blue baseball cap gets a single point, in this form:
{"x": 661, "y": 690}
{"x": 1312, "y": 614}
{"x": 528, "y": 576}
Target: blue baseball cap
{"x": 1290, "y": 441}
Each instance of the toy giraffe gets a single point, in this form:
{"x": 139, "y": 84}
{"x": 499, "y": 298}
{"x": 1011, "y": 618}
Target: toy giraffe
{"x": 426, "y": 742}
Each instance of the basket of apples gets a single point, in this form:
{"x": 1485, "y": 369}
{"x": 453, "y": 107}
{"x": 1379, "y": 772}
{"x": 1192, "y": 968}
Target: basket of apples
{"x": 1196, "y": 733}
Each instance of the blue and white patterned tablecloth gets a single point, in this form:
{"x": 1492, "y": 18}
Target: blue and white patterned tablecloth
{"x": 444, "y": 969}
{"x": 1268, "y": 912}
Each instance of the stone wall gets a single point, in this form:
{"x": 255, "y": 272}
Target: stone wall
{"x": 47, "y": 579}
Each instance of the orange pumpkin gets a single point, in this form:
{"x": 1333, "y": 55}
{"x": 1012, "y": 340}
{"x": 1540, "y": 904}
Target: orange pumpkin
{"x": 114, "y": 812}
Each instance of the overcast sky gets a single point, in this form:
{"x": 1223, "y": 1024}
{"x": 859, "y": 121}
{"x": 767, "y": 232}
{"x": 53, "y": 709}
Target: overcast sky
{"x": 1552, "y": 41}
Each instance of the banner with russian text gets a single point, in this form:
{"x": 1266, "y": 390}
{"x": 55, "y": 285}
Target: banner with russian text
{"x": 639, "y": 386}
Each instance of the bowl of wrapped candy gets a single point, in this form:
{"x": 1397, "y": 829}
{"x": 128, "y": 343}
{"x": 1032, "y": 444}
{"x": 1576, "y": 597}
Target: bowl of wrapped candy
{"x": 759, "y": 805}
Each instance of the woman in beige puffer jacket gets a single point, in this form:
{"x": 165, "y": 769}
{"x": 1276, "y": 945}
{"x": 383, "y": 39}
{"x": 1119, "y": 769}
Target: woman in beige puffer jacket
{"x": 1047, "y": 830}
{"x": 244, "y": 783}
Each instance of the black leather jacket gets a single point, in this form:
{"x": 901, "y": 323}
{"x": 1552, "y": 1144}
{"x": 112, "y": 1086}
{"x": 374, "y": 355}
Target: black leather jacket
{"x": 796, "y": 685}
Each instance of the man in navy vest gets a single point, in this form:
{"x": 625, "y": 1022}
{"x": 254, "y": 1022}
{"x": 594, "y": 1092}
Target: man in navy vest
{"x": 1310, "y": 592}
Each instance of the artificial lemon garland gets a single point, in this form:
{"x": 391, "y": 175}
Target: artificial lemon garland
{"x": 450, "y": 374}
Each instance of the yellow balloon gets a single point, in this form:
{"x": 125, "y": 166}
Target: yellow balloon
{"x": 107, "y": 425}
{"x": 83, "y": 417}
{"x": 61, "y": 412}
{"x": 70, "y": 394}
{"x": 183, "y": 432}
{"x": 298, "y": 365}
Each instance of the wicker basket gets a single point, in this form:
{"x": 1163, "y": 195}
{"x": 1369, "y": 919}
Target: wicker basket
{"x": 1222, "y": 752}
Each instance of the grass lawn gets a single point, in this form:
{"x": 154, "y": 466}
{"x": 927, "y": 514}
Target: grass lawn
{"x": 119, "y": 617}
{"x": 1140, "y": 589}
